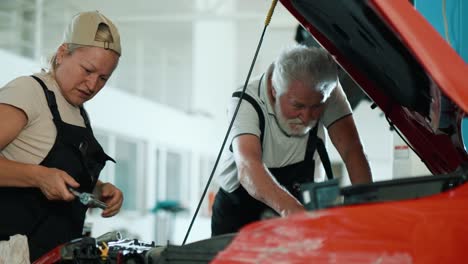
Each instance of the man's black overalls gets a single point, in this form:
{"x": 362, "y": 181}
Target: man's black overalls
{"x": 27, "y": 211}
{"x": 231, "y": 211}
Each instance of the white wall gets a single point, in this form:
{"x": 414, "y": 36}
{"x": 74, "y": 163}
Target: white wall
{"x": 13, "y": 66}
{"x": 406, "y": 162}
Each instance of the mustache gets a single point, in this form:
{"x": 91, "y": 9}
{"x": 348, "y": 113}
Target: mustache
{"x": 297, "y": 121}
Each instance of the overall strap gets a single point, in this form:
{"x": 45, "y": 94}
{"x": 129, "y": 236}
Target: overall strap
{"x": 316, "y": 143}
{"x": 52, "y": 102}
{"x": 261, "y": 117}
{"x": 84, "y": 114}
{"x": 50, "y": 97}
{"x": 251, "y": 100}
{"x": 322, "y": 151}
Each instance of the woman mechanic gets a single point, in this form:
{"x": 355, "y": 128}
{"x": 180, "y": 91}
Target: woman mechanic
{"x": 46, "y": 142}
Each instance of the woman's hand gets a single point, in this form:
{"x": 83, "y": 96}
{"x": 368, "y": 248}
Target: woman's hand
{"x": 54, "y": 184}
{"x": 110, "y": 195}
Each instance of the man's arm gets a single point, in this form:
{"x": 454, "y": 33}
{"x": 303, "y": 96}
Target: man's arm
{"x": 257, "y": 180}
{"x": 344, "y": 135}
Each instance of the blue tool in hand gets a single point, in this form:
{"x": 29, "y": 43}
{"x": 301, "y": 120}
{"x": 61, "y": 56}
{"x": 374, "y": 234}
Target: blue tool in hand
{"x": 88, "y": 199}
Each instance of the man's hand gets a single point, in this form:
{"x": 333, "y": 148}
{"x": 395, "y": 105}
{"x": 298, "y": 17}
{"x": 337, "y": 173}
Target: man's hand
{"x": 110, "y": 195}
{"x": 292, "y": 208}
{"x": 257, "y": 180}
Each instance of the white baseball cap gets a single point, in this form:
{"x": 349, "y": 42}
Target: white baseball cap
{"x": 83, "y": 27}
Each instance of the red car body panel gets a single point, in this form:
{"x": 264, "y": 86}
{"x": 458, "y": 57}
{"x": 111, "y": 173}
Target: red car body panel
{"x": 432, "y": 229}
{"x": 426, "y": 230}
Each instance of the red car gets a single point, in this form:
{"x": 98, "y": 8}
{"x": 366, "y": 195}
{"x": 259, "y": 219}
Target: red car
{"x": 421, "y": 85}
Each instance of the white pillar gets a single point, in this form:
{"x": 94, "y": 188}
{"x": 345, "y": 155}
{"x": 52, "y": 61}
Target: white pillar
{"x": 214, "y": 65}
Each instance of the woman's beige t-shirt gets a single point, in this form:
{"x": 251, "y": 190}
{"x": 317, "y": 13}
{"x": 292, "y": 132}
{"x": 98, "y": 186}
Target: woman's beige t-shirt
{"x": 38, "y": 136}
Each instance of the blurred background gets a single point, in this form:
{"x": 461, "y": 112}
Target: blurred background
{"x": 162, "y": 115}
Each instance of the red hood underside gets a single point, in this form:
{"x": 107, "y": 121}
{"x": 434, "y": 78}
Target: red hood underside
{"x": 441, "y": 62}
{"x": 440, "y": 152}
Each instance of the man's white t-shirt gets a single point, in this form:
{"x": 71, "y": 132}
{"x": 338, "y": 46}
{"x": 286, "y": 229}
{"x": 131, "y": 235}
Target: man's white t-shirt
{"x": 278, "y": 149}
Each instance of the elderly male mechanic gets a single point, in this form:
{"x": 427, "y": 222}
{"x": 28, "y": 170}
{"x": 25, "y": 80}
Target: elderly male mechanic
{"x": 279, "y": 127}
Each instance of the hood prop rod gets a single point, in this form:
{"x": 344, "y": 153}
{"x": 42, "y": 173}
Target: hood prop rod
{"x": 267, "y": 22}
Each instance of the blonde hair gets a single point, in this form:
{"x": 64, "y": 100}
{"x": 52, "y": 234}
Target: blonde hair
{"x": 103, "y": 34}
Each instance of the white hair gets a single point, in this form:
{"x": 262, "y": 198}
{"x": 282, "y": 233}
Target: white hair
{"x": 311, "y": 66}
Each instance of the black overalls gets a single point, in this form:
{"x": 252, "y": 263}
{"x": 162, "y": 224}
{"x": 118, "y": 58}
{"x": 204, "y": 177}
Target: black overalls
{"x": 233, "y": 210}
{"x": 27, "y": 211}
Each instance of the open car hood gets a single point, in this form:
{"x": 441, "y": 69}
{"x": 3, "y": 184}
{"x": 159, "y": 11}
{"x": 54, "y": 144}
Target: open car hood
{"x": 403, "y": 65}
{"x": 420, "y": 84}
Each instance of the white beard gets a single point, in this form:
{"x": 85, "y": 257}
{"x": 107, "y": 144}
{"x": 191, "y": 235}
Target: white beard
{"x": 292, "y": 127}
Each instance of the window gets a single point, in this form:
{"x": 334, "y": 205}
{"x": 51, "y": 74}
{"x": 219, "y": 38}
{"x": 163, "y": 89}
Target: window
{"x": 174, "y": 187}
{"x": 173, "y": 174}
{"x": 206, "y": 167}
{"x": 157, "y": 172}
{"x": 103, "y": 140}
{"x": 126, "y": 171}
{"x": 129, "y": 172}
